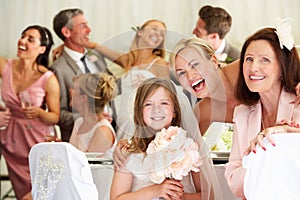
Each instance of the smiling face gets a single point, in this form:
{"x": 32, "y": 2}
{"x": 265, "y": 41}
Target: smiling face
{"x": 158, "y": 109}
{"x": 152, "y": 35}
{"x": 78, "y": 36}
{"x": 260, "y": 67}
{"x": 29, "y": 45}
{"x": 195, "y": 73}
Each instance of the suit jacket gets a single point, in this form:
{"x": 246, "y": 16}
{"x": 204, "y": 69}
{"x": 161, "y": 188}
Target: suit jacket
{"x": 232, "y": 53}
{"x": 65, "y": 68}
{"x": 247, "y": 124}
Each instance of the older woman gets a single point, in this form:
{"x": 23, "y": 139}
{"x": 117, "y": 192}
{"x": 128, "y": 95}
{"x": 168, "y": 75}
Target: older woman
{"x": 269, "y": 72}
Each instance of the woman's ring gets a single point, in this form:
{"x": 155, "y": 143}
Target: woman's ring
{"x": 261, "y": 134}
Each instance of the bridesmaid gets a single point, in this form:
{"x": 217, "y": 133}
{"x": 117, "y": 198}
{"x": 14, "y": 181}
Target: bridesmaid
{"x": 28, "y": 125}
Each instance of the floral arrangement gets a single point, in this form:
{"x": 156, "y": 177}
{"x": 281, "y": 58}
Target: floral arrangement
{"x": 174, "y": 155}
{"x": 91, "y": 56}
{"x": 225, "y": 58}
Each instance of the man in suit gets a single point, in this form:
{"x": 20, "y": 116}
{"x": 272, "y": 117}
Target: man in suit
{"x": 213, "y": 25}
{"x": 71, "y": 26}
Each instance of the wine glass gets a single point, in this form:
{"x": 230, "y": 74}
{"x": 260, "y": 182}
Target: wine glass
{"x": 51, "y": 135}
{"x": 25, "y": 102}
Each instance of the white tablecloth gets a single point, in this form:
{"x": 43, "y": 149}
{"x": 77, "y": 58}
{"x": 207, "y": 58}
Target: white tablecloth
{"x": 274, "y": 173}
{"x": 102, "y": 176}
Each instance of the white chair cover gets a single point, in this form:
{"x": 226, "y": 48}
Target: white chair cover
{"x": 274, "y": 173}
{"x": 60, "y": 171}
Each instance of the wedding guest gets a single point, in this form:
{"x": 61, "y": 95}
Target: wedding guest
{"x": 156, "y": 106}
{"x": 72, "y": 28}
{"x": 5, "y": 116}
{"x": 145, "y": 59}
{"x": 197, "y": 70}
{"x": 92, "y": 132}
{"x": 28, "y": 125}
{"x": 213, "y": 25}
{"x": 269, "y": 72}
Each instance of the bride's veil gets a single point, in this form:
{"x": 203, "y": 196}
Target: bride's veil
{"x": 210, "y": 188}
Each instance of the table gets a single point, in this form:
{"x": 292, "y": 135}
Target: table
{"x": 102, "y": 176}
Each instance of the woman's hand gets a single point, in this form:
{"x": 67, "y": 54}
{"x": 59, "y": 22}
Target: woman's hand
{"x": 5, "y": 117}
{"x": 31, "y": 112}
{"x": 120, "y": 155}
{"x": 169, "y": 189}
{"x": 56, "y": 53}
{"x": 258, "y": 140}
{"x": 107, "y": 116}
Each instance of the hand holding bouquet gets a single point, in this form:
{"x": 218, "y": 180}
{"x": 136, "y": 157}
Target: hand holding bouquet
{"x": 174, "y": 155}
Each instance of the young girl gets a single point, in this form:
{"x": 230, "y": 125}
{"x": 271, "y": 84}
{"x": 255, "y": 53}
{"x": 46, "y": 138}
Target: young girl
{"x": 92, "y": 132}
{"x": 156, "y": 107}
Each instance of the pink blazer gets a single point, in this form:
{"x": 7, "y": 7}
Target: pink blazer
{"x": 247, "y": 124}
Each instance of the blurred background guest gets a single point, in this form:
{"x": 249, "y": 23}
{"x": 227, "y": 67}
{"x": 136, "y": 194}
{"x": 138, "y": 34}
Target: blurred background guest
{"x": 213, "y": 25}
{"x": 72, "y": 28}
{"x": 92, "y": 132}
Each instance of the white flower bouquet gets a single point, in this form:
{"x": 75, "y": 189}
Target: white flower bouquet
{"x": 173, "y": 154}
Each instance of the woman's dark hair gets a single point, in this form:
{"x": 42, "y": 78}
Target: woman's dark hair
{"x": 46, "y": 40}
{"x": 288, "y": 63}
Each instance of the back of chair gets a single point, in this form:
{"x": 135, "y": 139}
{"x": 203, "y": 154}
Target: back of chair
{"x": 60, "y": 171}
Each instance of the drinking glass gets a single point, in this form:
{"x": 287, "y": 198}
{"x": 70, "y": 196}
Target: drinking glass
{"x": 50, "y": 134}
{"x": 25, "y": 102}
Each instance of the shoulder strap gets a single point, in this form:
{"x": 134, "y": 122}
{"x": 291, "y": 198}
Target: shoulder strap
{"x": 151, "y": 64}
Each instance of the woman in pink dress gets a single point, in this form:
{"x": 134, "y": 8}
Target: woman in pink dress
{"x": 28, "y": 124}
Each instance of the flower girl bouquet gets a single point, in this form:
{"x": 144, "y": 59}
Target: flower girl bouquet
{"x": 174, "y": 155}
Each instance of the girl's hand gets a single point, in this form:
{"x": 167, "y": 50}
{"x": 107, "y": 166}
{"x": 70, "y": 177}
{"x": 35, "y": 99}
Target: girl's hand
{"x": 169, "y": 189}
{"x": 120, "y": 155}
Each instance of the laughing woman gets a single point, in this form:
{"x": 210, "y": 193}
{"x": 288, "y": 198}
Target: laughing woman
{"x": 198, "y": 71}
{"x": 28, "y": 125}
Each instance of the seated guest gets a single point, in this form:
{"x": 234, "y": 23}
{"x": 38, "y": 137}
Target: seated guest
{"x": 269, "y": 72}
{"x": 92, "y": 132}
